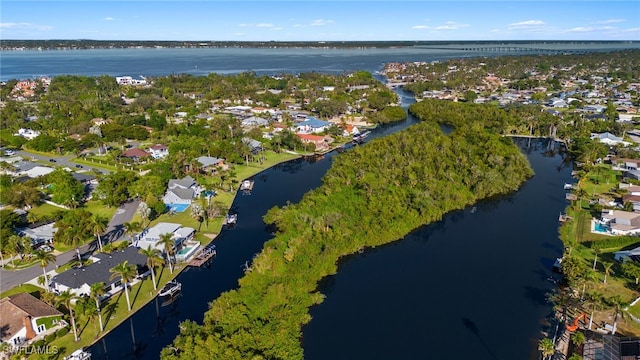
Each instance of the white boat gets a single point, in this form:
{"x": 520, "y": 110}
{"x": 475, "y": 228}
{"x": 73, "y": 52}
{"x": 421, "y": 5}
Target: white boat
{"x": 246, "y": 185}
{"x": 171, "y": 288}
{"x": 568, "y": 186}
{"x": 231, "y": 219}
{"x": 79, "y": 354}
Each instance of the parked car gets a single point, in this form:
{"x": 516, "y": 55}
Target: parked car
{"x": 9, "y": 152}
{"x": 52, "y": 160}
{"x": 45, "y": 248}
{"x": 79, "y": 166}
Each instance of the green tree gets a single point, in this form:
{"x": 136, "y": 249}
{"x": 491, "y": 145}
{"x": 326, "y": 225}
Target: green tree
{"x": 167, "y": 242}
{"x": 631, "y": 269}
{"x": 131, "y": 228}
{"x": 44, "y": 258}
{"x": 67, "y": 299}
{"x": 98, "y": 226}
{"x": 578, "y": 339}
{"x": 547, "y": 348}
{"x": 126, "y": 273}
{"x": 154, "y": 259}
{"x": 97, "y": 291}
{"x": 608, "y": 270}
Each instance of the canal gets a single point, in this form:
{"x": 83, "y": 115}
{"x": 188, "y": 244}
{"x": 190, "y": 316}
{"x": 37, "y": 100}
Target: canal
{"x": 473, "y": 283}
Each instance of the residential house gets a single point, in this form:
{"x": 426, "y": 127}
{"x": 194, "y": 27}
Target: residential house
{"x": 39, "y": 235}
{"x": 79, "y": 280}
{"x": 608, "y": 138}
{"x": 27, "y": 133}
{"x": 159, "y": 151}
{"x": 23, "y": 317}
{"x": 181, "y": 191}
{"x": 633, "y": 199}
{"x": 622, "y": 222}
{"x": 312, "y": 126}
{"x": 319, "y": 141}
{"x": 210, "y": 163}
{"x": 182, "y": 237}
{"x": 254, "y": 145}
{"x": 135, "y": 154}
{"x": 631, "y": 174}
{"x": 254, "y": 121}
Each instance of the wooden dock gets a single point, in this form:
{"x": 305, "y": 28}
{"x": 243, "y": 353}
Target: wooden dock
{"x": 202, "y": 257}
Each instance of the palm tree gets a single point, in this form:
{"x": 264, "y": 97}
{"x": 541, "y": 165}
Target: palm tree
{"x": 126, "y": 272}
{"x": 607, "y": 270}
{"x": 547, "y": 347}
{"x": 45, "y": 258}
{"x": 98, "y": 226}
{"x": 596, "y": 252}
{"x": 618, "y": 307}
{"x": 596, "y": 301}
{"x": 131, "y": 227}
{"x": 587, "y": 277}
{"x": 66, "y": 298}
{"x": 167, "y": 243}
{"x": 97, "y": 290}
{"x": 578, "y": 339}
{"x": 153, "y": 259}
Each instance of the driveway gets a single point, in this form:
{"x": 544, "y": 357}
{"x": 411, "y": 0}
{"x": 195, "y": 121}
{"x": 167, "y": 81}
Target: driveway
{"x": 10, "y": 279}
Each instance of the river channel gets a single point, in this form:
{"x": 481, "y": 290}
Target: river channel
{"x": 473, "y": 283}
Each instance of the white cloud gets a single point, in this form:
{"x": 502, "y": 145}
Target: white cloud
{"x": 632, "y": 30}
{"x": 609, "y": 21}
{"x": 109, "y": 18}
{"x": 420, "y": 27}
{"x": 321, "y": 22}
{"x": 25, "y": 26}
{"x": 277, "y": 28}
{"x": 264, "y": 25}
{"x": 494, "y": 30}
{"x": 580, "y": 29}
{"x": 527, "y": 23}
{"x": 451, "y": 25}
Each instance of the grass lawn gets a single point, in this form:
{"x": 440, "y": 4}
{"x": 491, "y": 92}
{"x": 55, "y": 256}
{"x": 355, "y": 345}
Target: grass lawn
{"x": 272, "y": 158}
{"x": 24, "y": 288}
{"x": 114, "y": 312}
{"x": 97, "y": 163}
{"x": 96, "y": 207}
{"x": 45, "y": 210}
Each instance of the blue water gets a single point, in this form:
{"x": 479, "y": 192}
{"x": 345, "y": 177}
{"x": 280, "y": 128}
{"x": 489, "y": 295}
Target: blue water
{"x": 600, "y": 228}
{"x": 177, "y": 207}
{"x": 464, "y": 285}
{"x": 158, "y": 62}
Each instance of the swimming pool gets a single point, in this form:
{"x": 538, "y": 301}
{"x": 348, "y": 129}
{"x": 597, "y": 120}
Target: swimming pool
{"x": 184, "y": 251}
{"x": 598, "y": 227}
{"x": 177, "y": 207}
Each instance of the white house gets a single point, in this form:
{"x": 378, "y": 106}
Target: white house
{"x": 23, "y": 317}
{"x": 151, "y": 236}
{"x": 622, "y": 222}
{"x": 608, "y": 138}
{"x": 312, "y": 125}
{"x": 159, "y": 151}
{"x": 27, "y": 133}
{"x": 181, "y": 191}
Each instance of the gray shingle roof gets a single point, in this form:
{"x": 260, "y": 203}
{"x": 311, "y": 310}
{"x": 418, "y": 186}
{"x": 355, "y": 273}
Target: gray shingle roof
{"x": 99, "y": 271}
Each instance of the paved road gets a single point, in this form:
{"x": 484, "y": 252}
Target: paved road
{"x": 10, "y": 279}
{"x": 59, "y": 161}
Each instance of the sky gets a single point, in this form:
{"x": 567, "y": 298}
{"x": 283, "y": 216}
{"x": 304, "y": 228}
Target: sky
{"x": 302, "y": 20}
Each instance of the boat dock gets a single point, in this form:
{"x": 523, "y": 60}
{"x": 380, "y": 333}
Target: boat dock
{"x": 203, "y": 256}
{"x": 246, "y": 186}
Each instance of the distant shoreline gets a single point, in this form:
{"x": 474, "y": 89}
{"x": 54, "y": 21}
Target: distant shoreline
{"x": 19, "y": 45}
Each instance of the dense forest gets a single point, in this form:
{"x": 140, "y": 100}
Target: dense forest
{"x": 372, "y": 195}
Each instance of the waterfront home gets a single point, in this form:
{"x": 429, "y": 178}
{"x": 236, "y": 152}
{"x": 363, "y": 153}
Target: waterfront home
{"x": 182, "y": 238}
{"x": 254, "y": 145}
{"x": 622, "y": 222}
{"x": 319, "y": 141}
{"x": 23, "y": 317}
{"x": 312, "y": 125}
{"x": 159, "y": 151}
{"x": 254, "y": 121}
{"x": 181, "y": 191}
{"x": 78, "y": 280}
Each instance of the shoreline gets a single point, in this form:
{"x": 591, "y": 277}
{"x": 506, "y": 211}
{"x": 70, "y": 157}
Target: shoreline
{"x": 177, "y": 271}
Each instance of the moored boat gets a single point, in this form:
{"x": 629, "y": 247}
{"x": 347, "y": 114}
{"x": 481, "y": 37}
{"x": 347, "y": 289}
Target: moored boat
{"x": 171, "y": 288}
{"x": 80, "y": 354}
